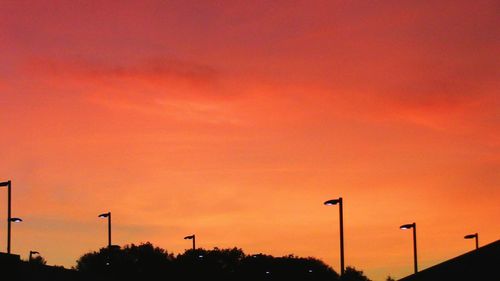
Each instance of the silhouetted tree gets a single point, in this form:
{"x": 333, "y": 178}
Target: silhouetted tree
{"x": 146, "y": 262}
{"x": 220, "y": 264}
{"x": 133, "y": 262}
{"x": 263, "y": 267}
{"x": 38, "y": 260}
{"x": 351, "y": 274}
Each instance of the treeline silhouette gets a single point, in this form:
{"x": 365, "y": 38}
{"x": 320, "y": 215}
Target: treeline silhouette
{"x": 147, "y": 262}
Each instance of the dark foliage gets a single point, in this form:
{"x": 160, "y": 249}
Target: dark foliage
{"x": 133, "y": 262}
{"x": 146, "y": 262}
{"x": 38, "y": 260}
{"x": 218, "y": 263}
{"x": 351, "y": 274}
{"x": 263, "y": 267}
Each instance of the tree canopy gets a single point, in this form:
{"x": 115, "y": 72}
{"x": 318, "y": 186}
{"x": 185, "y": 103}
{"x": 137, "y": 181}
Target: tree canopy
{"x": 352, "y": 274}
{"x": 147, "y": 262}
{"x": 38, "y": 260}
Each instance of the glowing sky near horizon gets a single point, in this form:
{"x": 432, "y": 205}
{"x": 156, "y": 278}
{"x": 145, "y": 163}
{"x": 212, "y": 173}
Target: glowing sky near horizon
{"x": 236, "y": 120}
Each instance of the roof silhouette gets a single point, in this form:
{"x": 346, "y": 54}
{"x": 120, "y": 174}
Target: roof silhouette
{"x": 480, "y": 264}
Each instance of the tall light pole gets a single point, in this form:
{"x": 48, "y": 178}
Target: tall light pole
{"x": 414, "y": 226}
{"x": 335, "y": 202}
{"x": 192, "y": 237}
{"x": 107, "y": 215}
{"x": 33, "y": 253}
{"x": 8, "y": 184}
{"x": 475, "y": 235}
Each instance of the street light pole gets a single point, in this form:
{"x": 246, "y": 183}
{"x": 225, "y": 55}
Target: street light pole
{"x": 341, "y": 214}
{"x": 109, "y": 230}
{"x": 9, "y": 208}
{"x": 192, "y": 237}
{"x": 9, "y": 215}
{"x": 476, "y": 236}
{"x": 107, "y": 215}
{"x": 415, "y": 247}
{"x": 341, "y": 219}
{"x": 414, "y": 227}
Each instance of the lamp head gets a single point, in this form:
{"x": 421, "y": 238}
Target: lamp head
{"x": 189, "y": 237}
{"x": 16, "y": 219}
{"x": 407, "y": 226}
{"x": 5, "y": 183}
{"x": 333, "y": 202}
{"x": 105, "y": 215}
{"x": 470, "y": 236}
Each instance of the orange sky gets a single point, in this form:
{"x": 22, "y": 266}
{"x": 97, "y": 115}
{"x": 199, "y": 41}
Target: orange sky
{"x": 236, "y": 121}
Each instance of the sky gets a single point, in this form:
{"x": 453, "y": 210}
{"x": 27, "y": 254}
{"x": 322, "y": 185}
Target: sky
{"x": 236, "y": 120}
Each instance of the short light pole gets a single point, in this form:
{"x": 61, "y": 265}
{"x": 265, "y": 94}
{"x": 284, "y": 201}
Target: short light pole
{"x": 414, "y": 226}
{"x": 14, "y": 220}
{"x": 476, "y": 236}
{"x": 107, "y": 215}
{"x": 335, "y": 202}
{"x": 192, "y": 237}
{"x": 33, "y": 253}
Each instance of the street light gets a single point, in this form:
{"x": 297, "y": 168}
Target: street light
{"x": 414, "y": 226}
{"x": 8, "y": 184}
{"x": 192, "y": 237}
{"x": 475, "y": 235}
{"x": 14, "y": 220}
{"x": 107, "y": 215}
{"x": 335, "y": 202}
{"x": 33, "y": 253}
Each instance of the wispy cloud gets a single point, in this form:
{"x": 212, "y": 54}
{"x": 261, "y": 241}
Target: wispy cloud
{"x": 161, "y": 86}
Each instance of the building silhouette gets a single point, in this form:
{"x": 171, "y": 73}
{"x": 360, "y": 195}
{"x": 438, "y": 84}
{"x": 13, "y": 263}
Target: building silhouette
{"x": 480, "y": 264}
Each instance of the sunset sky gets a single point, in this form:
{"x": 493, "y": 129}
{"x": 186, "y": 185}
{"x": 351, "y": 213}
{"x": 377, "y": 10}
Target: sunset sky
{"x": 236, "y": 120}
